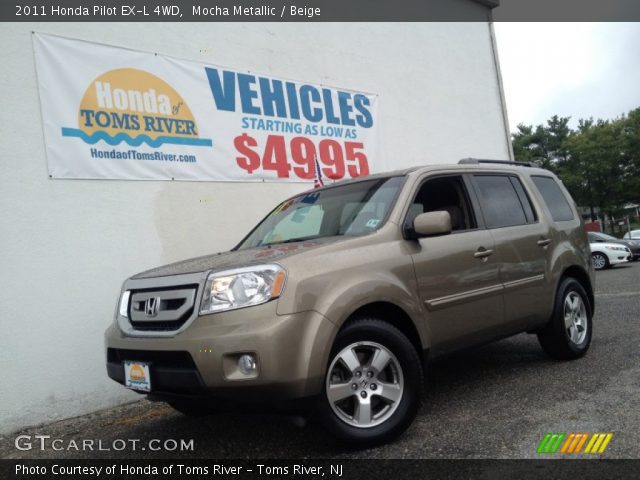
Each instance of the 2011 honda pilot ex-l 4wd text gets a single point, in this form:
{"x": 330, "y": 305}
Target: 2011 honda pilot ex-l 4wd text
{"x": 340, "y": 294}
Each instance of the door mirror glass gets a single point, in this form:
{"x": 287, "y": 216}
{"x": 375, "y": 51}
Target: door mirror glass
{"x": 432, "y": 223}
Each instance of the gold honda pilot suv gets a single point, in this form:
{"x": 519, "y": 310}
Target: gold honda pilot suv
{"x": 341, "y": 294}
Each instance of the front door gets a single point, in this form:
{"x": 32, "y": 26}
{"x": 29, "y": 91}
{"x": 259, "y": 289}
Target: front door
{"x": 457, "y": 274}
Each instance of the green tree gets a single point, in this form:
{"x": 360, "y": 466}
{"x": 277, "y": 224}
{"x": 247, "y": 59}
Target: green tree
{"x": 599, "y": 161}
{"x": 593, "y": 169}
{"x": 543, "y": 145}
{"x": 630, "y": 133}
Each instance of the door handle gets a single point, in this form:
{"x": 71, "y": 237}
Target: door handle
{"x": 544, "y": 242}
{"x": 484, "y": 253}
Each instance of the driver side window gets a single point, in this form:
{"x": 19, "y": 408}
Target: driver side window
{"x": 444, "y": 194}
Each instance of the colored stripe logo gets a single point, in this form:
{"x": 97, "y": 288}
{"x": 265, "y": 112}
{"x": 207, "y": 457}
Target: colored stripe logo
{"x": 573, "y": 443}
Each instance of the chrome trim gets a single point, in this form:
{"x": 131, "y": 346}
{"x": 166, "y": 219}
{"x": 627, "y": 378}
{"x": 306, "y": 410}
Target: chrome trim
{"x": 458, "y": 298}
{"x": 123, "y": 308}
{"x": 523, "y": 282}
{"x": 151, "y": 307}
{"x": 483, "y": 253}
{"x": 176, "y": 281}
{"x": 146, "y": 306}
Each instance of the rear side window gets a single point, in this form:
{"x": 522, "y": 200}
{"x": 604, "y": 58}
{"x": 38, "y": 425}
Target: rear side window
{"x": 554, "y": 198}
{"x": 501, "y": 204}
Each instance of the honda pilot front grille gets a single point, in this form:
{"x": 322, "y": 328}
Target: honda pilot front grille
{"x": 162, "y": 309}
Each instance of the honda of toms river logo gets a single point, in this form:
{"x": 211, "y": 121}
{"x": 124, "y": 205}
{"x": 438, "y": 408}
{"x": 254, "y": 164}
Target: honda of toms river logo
{"x": 137, "y": 374}
{"x": 573, "y": 443}
{"x": 133, "y": 106}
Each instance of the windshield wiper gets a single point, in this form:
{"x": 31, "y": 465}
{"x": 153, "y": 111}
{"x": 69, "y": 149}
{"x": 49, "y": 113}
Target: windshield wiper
{"x": 297, "y": 239}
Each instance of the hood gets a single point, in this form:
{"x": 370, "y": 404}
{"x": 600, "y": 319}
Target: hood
{"x": 610, "y": 244}
{"x": 238, "y": 258}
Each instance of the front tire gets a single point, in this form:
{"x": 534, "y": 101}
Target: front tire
{"x": 567, "y": 336}
{"x": 373, "y": 384}
{"x": 599, "y": 260}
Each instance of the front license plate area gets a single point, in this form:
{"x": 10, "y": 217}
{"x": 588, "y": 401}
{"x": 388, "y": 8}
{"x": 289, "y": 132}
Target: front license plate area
{"x": 137, "y": 376}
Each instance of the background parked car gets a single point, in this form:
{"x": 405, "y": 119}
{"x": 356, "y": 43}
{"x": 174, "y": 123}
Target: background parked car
{"x": 632, "y": 235}
{"x": 633, "y": 245}
{"x": 606, "y": 255}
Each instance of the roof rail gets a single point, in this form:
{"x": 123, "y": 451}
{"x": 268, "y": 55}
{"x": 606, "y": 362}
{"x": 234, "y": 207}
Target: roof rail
{"x": 476, "y": 161}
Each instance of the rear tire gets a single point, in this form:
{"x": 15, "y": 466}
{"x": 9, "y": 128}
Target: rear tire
{"x": 373, "y": 384}
{"x": 600, "y": 261}
{"x": 567, "y": 336}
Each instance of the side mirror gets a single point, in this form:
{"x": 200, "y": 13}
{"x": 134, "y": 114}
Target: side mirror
{"x": 432, "y": 223}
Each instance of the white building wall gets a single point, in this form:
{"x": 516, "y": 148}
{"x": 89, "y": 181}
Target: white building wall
{"x": 67, "y": 245}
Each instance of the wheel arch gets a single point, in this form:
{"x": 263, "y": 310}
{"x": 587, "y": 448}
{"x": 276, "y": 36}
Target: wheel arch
{"x": 394, "y": 315}
{"x": 583, "y": 278}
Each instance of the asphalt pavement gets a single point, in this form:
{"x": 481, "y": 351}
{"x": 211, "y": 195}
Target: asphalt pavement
{"x": 497, "y": 401}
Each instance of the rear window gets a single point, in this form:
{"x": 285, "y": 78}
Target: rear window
{"x": 554, "y": 198}
{"x": 501, "y": 203}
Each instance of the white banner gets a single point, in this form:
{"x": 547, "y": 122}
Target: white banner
{"x": 115, "y": 113}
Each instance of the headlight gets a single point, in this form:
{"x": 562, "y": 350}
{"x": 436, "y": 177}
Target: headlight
{"x": 621, "y": 249}
{"x": 242, "y": 287}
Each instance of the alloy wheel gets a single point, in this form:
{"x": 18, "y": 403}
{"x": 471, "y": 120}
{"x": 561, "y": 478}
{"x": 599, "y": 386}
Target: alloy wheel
{"x": 599, "y": 261}
{"x": 365, "y": 384}
{"x": 575, "y": 317}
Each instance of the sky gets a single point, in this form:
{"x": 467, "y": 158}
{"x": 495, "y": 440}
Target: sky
{"x": 576, "y": 70}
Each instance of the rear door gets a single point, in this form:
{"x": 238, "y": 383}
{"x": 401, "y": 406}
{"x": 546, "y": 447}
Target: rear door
{"x": 522, "y": 245}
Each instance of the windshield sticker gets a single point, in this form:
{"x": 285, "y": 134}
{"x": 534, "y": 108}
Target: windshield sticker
{"x": 373, "y": 223}
{"x": 311, "y": 198}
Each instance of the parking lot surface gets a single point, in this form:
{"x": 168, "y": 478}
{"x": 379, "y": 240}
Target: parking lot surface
{"x": 497, "y": 401}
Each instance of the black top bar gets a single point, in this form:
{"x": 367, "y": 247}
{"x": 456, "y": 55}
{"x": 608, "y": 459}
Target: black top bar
{"x": 320, "y": 11}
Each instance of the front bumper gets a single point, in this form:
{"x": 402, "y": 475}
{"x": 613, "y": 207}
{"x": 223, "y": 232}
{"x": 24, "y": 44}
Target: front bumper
{"x": 291, "y": 350}
{"x": 616, "y": 258}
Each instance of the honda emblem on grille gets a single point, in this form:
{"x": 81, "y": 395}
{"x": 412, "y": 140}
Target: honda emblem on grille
{"x": 151, "y": 306}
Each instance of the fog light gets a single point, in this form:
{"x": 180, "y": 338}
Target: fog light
{"x": 247, "y": 364}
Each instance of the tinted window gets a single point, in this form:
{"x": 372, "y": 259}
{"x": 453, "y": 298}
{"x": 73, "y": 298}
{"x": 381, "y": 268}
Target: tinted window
{"x": 554, "y": 198}
{"x": 524, "y": 200}
{"x": 500, "y": 202}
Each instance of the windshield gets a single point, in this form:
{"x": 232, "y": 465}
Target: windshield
{"x": 351, "y": 209}
{"x": 604, "y": 236}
